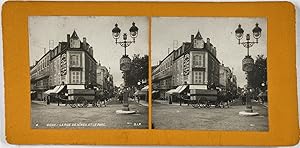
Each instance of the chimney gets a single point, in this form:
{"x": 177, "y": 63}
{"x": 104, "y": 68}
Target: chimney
{"x": 215, "y": 51}
{"x": 68, "y": 38}
{"x": 90, "y": 50}
{"x": 192, "y": 38}
{"x": 208, "y": 44}
{"x": 208, "y": 40}
{"x": 59, "y": 47}
{"x": 84, "y": 43}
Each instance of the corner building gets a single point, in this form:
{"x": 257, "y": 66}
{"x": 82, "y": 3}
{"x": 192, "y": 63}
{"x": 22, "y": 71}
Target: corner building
{"x": 69, "y": 63}
{"x": 72, "y": 62}
{"x": 193, "y": 65}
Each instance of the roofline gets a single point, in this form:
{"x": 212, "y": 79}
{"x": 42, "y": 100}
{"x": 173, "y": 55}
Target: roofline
{"x": 41, "y": 58}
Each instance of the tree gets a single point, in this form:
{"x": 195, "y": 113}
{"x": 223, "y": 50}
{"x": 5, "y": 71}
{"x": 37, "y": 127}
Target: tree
{"x": 259, "y": 73}
{"x": 138, "y": 71}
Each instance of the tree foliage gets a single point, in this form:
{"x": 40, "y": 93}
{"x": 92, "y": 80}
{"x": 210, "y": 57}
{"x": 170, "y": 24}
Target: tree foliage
{"x": 139, "y": 70}
{"x": 259, "y": 73}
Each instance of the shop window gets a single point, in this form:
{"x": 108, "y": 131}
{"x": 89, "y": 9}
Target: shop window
{"x": 75, "y": 77}
{"x": 198, "y": 60}
{"x": 75, "y": 60}
{"x": 198, "y": 77}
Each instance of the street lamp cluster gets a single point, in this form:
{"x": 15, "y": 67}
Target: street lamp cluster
{"x": 133, "y": 33}
{"x": 239, "y": 33}
{"x": 248, "y": 61}
{"x": 125, "y": 61}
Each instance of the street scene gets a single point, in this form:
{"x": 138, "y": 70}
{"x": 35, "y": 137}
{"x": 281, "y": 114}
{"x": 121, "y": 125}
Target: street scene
{"x": 89, "y": 72}
{"x": 91, "y": 117}
{"x": 211, "y": 74}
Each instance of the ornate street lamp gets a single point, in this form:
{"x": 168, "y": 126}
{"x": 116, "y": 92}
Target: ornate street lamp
{"x": 125, "y": 61}
{"x": 248, "y": 61}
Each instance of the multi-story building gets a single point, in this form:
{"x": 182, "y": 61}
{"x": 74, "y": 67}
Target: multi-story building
{"x": 39, "y": 74}
{"x": 225, "y": 77}
{"x": 70, "y": 62}
{"x": 194, "y": 64}
{"x": 228, "y": 80}
{"x": 104, "y": 80}
{"x": 102, "y": 75}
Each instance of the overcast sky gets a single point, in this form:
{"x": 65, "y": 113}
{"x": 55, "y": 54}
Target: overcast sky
{"x": 220, "y": 30}
{"x": 97, "y": 30}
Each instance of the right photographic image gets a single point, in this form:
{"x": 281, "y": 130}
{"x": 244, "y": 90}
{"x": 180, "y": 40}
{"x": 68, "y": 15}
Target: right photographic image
{"x": 209, "y": 73}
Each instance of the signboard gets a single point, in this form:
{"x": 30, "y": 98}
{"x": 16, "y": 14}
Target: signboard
{"x": 247, "y": 64}
{"x": 186, "y": 64}
{"x": 63, "y": 64}
{"x": 125, "y": 63}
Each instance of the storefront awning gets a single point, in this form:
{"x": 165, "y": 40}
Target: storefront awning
{"x": 49, "y": 91}
{"x": 171, "y": 91}
{"x": 75, "y": 87}
{"x": 61, "y": 87}
{"x": 177, "y": 90}
{"x": 145, "y": 88}
{"x": 198, "y": 86}
{"x": 140, "y": 93}
{"x": 55, "y": 89}
{"x": 154, "y": 91}
{"x": 182, "y": 88}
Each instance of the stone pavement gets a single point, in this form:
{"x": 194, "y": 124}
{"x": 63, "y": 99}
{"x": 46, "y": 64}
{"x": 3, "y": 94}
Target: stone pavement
{"x": 167, "y": 116}
{"x": 53, "y": 116}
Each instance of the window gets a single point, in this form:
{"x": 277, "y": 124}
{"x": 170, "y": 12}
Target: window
{"x": 198, "y": 77}
{"x": 75, "y": 60}
{"x": 75, "y": 77}
{"x": 198, "y": 60}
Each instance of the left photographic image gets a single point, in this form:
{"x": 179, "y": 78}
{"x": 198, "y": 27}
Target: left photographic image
{"x": 89, "y": 72}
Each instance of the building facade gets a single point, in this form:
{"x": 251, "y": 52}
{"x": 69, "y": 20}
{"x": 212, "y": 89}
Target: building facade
{"x": 39, "y": 76}
{"x": 194, "y": 64}
{"x": 70, "y": 62}
{"x": 228, "y": 80}
{"x": 104, "y": 80}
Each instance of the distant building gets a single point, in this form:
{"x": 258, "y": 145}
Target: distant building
{"x": 104, "y": 79}
{"x": 39, "y": 76}
{"x": 70, "y": 62}
{"x": 193, "y": 64}
{"x": 225, "y": 77}
{"x": 228, "y": 80}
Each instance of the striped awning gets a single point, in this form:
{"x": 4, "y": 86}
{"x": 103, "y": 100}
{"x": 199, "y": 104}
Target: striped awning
{"x": 171, "y": 91}
{"x": 140, "y": 93}
{"x": 75, "y": 87}
{"x": 145, "y": 88}
{"x": 55, "y": 90}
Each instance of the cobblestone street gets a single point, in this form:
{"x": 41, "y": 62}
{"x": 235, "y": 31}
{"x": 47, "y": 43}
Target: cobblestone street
{"x": 53, "y": 116}
{"x": 166, "y": 116}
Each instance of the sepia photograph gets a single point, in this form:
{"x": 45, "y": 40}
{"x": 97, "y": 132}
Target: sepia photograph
{"x": 209, "y": 73}
{"x": 89, "y": 72}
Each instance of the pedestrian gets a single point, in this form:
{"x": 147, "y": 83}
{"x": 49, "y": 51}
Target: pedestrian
{"x": 244, "y": 99}
{"x": 48, "y": 100}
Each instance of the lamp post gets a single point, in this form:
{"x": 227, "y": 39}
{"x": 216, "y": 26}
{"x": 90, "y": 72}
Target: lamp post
{"x": 125, "y": 61}
{"x": 248, "y": 61}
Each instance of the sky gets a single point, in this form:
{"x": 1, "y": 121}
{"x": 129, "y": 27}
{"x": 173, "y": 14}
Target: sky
{"x": 46, "y": 30}
{"x": 167, "y": 31}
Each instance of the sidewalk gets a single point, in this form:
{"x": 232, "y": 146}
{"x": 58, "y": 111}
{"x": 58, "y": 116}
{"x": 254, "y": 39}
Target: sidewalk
{"x": 166, "y": 102}
{"x": 39, "y": 102}
{"x": 209, "y": 118}
{"x": 45, "y": 103}
{"x": 265, "y": 104}
{"x": 141, "y": 102}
